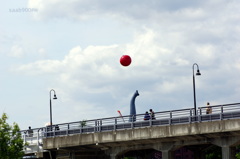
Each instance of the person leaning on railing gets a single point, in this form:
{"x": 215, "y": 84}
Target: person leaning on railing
{"x": 152, "y": 114}
{"x": 208, "y": 109}
{"x": 146, "y": 116}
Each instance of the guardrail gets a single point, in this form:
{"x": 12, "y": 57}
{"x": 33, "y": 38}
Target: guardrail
{"x": 219, "y": 112}
{"x": 182, "y": 116}
{"x": 33, "y": 139}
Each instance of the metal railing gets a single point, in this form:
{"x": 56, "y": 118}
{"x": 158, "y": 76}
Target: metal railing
{"x": 33, "y": 140}
{"x": 182, "y": 116}
{"x": 219, "y": 112}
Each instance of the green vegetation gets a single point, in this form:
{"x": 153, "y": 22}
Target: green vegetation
{"x": 11, "y": 143}
{"x": 238, "y": 153}
{"x": 214, "y": 152}
{"x": 83, "y": 123}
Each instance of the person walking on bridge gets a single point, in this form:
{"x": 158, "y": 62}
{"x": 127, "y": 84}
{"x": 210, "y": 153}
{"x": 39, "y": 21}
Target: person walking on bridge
{"x": 30, "y": 132}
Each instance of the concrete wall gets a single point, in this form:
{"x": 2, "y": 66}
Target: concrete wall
{"x": 163, "y": 138}
{"x": 143, "y": 135}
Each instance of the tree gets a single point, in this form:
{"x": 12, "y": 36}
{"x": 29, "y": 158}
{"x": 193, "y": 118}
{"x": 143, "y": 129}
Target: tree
{"x": 237, "y": 153}
{"x": 83, "y": 123}
{"x": 11, "y": 142}
{"x": 214, "y": 152}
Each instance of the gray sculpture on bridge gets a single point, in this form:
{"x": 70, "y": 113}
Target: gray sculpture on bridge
{"x": 133, "y": 108}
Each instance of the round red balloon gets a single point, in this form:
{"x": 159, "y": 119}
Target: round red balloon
{"x": 125, "y": 60}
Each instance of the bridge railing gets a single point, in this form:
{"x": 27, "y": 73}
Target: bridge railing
{"x": 219, "y": 112}
{"x": 221, "y": 108}
{"x": 33, "y": 140}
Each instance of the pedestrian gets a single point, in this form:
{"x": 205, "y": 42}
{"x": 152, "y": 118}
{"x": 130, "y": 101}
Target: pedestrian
{"x": 208, "y": 109}
{"x": 146, "y": 116}
{"x": 30, "y": 132}
{"x": 152, "y": 114}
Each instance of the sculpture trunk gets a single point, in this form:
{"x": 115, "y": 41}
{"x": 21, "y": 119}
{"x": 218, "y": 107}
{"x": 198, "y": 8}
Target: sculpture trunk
{"x": 132, "y": 117}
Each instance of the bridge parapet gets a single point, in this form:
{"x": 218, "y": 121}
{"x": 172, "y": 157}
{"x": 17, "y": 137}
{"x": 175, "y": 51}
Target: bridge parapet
{"x": 34, "y": 141}
{"x": 180, "y": 122}
{"x": 182, "y": 116}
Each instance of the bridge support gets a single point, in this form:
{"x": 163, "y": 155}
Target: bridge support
{"x": 113, "y": 152}
{"x": 226, "y": 152}
{"x": 227, "y": 144}
{"x": 72, "y": 155}
{"x": 112, "y": 156}
{"x": 167, "y": 150}
{"x": 167, "y": 154}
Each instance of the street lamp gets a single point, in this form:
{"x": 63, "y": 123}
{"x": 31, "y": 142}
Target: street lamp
{"x": 194, "y": 93}
{"x": 55, "y": 97}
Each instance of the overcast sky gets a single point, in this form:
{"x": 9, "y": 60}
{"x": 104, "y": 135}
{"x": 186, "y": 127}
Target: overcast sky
{"x": 74, "y": 47}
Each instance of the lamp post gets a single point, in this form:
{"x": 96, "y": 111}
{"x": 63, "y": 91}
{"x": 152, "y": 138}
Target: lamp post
{"x": 194, "y": 92}
{"x": 54, "y": 97}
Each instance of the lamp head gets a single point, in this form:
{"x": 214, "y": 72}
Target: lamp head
{"x": 198, "y": 73}
{"x": 55, "y": 97}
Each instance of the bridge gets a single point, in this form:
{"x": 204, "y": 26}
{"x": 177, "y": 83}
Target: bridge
{"x": 117, "y": 137}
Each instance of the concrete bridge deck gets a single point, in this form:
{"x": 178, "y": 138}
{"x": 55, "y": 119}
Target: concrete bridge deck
{"x": 112, "y": 137}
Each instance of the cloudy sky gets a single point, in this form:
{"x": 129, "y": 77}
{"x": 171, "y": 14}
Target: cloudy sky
{"x": 74, "y": 47}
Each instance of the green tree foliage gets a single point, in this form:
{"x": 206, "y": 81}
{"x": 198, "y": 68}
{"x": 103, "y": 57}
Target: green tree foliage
{"x": 214, "y": 152}
{"x": 83, "y": 123}
{"x": 238, "y": 153}
{"x": 11, "y": 143}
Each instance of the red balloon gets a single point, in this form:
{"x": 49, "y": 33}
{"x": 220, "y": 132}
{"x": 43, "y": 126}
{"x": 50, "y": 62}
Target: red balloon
{"x": 125, "y": 60}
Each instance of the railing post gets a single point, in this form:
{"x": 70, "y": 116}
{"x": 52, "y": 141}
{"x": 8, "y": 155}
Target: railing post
{"x": 38, "y": 137}
{"x": 95, "y": 128}
{"x": 81, "y": 126}
{"x": 54, "y": 131}
{"x": 170, "y": 119}
{"x": 200, "y": 111}
{"x": 68, "y": 127}
{"x": 199, "y": 115}
{"x": 132, "y": 122}
{"x": 25, "y": 137}
{"x": 221, "y": 115}
{"x": 100, "y": 125}
{"x": 115, "y": 124}
{"x": 38, "y": 140}
{"x": 190, "y": 117}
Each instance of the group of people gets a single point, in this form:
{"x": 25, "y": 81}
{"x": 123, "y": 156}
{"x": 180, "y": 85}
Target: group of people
{"x": 150, "y": 115}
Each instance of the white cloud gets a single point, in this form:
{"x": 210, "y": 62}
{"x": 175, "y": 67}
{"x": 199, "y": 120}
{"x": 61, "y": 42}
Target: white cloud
{"x": 168, "y": 38}
{"x": 97, "y": 68}
{"x": 207, "y": 51}
{"x": 42, "y": 52}
{"x": 86, "y": 9}
{"x": 41, "y": 67}
{"x": 16, "y": 51}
